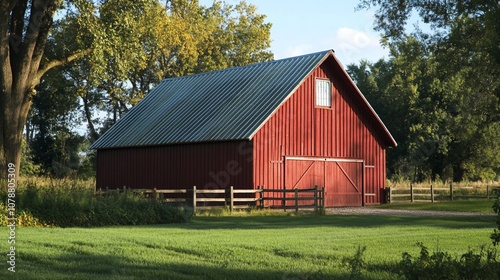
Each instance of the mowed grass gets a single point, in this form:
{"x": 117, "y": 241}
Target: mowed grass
{"x": 472, "y": 205}
{"x": 252, "y": 247}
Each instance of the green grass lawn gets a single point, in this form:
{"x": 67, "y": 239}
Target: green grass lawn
{"x": 253, "y": 247}
{"x": 478, "y": 205}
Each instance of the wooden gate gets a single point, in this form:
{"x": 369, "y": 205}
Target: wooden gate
{"x": 342, "y": 178}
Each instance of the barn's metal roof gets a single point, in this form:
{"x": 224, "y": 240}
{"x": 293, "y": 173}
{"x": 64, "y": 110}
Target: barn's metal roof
{"x": 229, "y": 104}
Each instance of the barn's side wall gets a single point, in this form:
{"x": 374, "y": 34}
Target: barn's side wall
{"x": 205, "y": 165}
{"x": 298, "y": 128}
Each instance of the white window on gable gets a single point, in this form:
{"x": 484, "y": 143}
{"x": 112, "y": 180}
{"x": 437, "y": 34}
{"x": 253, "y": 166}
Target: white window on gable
{"x": 323, "y": 93}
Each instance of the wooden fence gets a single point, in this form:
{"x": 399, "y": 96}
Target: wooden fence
{"x": 231, "y": 197}
{"x": 432, "y": 194}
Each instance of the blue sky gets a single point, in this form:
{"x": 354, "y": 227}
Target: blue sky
{"x": 301, "y": 27}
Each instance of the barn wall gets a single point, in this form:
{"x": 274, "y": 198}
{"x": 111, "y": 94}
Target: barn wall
{"x": 206, "y": 165}
{"x": 298, "y": 128}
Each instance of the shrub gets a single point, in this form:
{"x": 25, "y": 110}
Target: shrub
{"x": 355, "y": 263}
{"x": 495, "y": 236}
{"x": 441, "y": 265}
{"x": 76, "y": 205}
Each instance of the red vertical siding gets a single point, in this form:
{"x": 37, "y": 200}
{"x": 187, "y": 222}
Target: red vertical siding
{"x": 205, "y": 165}
{"x": 298, "y": 128}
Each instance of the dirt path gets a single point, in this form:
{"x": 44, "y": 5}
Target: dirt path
{"x": 397, "y": 212}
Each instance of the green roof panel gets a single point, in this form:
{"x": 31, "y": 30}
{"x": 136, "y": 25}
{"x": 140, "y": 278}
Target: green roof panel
{"x": 229, "y": 104}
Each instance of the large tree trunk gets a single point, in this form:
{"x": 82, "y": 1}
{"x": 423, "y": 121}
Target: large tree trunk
{"x": 21, "y": 52}
{"x": 13, "y": 117}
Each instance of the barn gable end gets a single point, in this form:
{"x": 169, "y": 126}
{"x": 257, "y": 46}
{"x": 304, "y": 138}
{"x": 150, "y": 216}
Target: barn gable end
{"x": 303, "y": 145}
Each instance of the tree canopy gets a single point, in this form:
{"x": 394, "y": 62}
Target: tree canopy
{"x": 99, "y": 58}
{"x": 441, "y": 86}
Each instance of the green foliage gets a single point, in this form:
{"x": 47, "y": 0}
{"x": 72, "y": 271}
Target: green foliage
{"x": 495, "y": 236}
{"x": 75, "y": 205}
{"x": 28, "y": 166}
{"x": 444, "y": 126}
{"x": 441, "y": 265}
{"x": 24, "y": 218}
{"x": 136, "y": 44}
{"x": 442, "y": 87}
{"x": 356, "y": 263}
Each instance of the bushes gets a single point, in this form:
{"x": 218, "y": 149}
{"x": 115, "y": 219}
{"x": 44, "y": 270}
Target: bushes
{"x": 129, "y": 209}
{"x": 495, "y": 236}
{"x": 440, "y": 265}
{"x": 75, "y": 205}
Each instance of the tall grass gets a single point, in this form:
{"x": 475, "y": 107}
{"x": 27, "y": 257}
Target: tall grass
{"x": 72, "y": 203}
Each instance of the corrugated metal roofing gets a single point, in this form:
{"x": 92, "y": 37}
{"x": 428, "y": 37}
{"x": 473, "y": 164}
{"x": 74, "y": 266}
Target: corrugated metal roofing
{"x": 228, "y": 104}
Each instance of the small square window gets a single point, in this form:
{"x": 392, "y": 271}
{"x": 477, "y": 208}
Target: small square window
{"x": 323, "y": 93}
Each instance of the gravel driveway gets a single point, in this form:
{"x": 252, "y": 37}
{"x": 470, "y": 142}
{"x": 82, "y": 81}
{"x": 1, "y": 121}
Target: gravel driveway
{"x": 397, "y": 212}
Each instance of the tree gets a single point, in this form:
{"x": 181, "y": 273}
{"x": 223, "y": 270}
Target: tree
{"x": 157, "y": 43}
{"x": 53, "y": 143}
{"x": 118, "y": 46}
{"x": 24, "y": 28}
{"x": 451, "y": 75}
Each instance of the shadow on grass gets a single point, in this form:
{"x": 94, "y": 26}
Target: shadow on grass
{"x": 365, "y": 221}
{"x": 93, "y": 266}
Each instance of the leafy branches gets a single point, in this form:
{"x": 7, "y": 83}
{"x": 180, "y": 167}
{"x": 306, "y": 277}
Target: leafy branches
{"x": 442, "y": 87}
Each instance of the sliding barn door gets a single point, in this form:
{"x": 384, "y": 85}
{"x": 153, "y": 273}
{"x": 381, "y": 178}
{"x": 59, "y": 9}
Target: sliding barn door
{"x": 342, "y": 178}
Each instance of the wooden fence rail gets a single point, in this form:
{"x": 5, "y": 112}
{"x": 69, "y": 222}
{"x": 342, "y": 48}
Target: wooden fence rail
{"x": 432, "y": 193}
{"x": 228, "y": 197}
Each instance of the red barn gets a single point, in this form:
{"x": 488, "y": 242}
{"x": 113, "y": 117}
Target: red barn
{"x": 298, "y": 122}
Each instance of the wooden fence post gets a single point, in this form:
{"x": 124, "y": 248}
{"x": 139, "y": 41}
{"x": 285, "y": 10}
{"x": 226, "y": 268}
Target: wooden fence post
{"x": 323, "y": 198}
{"x": 231, "y": 199}
{"x": 487, "y": 192}
{"x": 284, "y": 198}
{"x": 261, "y": 196}
{"x": 194, "y": 199}
{"x": 296, "y": 200}
{"x": 390, "y": 195}
{"x": 451, "y": 191}
{"x": 316, "y": 198}
{"x": 411, "y": 192}
{"x": 432, "y": 194}
{"x": 155, "y": 194}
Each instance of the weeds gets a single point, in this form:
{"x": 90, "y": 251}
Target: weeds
{"x": 355, "y": 263}
{"x": 441, "y": 265}
{"x": 495, "y": 236}
{"x": 76, "y": 205}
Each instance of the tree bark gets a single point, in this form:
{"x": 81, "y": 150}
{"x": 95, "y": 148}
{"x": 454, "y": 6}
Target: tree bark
{"x": 21, "y": 52}
{"x": 88, "y": 115}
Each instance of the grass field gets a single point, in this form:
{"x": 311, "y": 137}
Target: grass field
{"x": 470, "y": 205}
{"x": 253, "y": 247}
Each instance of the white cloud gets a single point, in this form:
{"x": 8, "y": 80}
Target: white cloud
{"x": 356, "y": 39}
{"x": 352, "y": 45}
